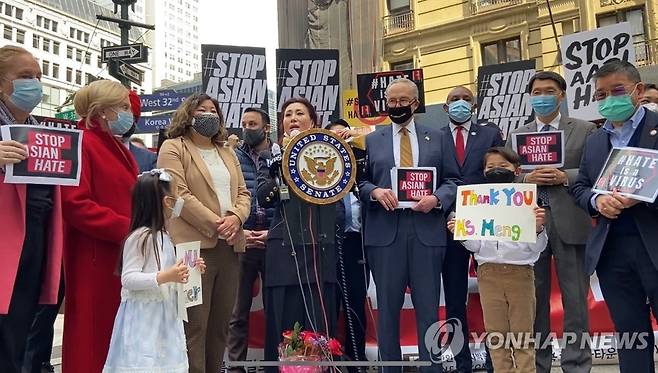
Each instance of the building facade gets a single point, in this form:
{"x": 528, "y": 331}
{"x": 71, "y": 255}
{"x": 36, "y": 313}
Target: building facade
{"x": 450, "y": 39}
{"x": 66, "y": 39}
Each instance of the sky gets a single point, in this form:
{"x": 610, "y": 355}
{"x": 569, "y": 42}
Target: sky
{"x": 248, "y": 23}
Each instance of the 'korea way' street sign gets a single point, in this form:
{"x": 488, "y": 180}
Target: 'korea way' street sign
{"x": 153, "y": 124}
{"x": 134, "y": 53}
{"x": 162, "y": 100}
{"x": 120, "y": 69}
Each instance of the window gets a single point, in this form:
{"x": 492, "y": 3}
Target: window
{"x": 78, "y": 55}
{"x": 403, "y": 65}
{"x": 20, "y": 36}
{"x": 86, "y": 37}
{"x": 501, "y": 51}
{"x": 88, "y": 58}
{"x": 79, "y": 35}
{"x": 8, "y": 33}
{"x": 19, "y": 14}
{"x": 46, "y": 45}
{"x": 69, "y": 53}
{"x": 72, "y": 33}
{"x": 35, "y": 41}
{"x": 54, "y": 26}
{"x": 100, "y": 62}
{"x": 56, "y": 47}
{"x": 45, "y": 67}
{"x": 39, "y": 21}
{"x": 78, "y": 77}
{"x": 89, "y": 78}
{"x": 55, "y": 71}
{"x": 636, "y": 19}
{"x": 398, "y": 6}
{"x": 69, "y": 75}
{"x": 8, "y": 9}
{"x": 46, "y": 23}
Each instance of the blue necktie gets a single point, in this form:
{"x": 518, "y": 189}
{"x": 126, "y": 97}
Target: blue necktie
{"x": 542, "y": 191}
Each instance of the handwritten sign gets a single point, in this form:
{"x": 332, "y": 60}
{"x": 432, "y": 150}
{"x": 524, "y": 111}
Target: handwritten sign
{"x": 190, "y": 294}
{"x": 496, "y": 212}
{"x": 633, "y": 172}
{"x": 411, "y": 183}
{"x": 538, "y": 149}
{"x": 583, "y": 54}
{"x": 53, "y": 155}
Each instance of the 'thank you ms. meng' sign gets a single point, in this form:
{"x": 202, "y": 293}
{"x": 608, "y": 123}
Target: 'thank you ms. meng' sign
{"x": 496, "y": 212}
{"x": 632, "y": 172}
{"x": 54, "y": 155}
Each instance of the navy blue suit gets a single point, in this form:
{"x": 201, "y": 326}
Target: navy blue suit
{"x": 623, "y": 251}
{"x": 455, "y": 272}
{"x": 406, "y": 248}
{"x": 146, "y": 159}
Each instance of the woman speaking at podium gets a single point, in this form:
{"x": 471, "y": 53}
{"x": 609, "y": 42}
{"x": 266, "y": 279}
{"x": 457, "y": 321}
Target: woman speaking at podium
{"x": 300, "y": 275}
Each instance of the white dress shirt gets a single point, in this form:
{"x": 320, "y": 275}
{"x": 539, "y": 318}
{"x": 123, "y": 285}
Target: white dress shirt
{"x": 555, "y": 123}
{"x": 413, "y": 136}
{"x": 505, "y": 252}
{"x": 466, "y": 130}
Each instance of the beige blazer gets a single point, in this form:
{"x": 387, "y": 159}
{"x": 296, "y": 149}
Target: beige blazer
{"x": 198, "y": 220}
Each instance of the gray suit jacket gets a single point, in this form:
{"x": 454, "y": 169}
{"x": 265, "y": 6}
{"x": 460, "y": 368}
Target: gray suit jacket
{"x": 381, "y": 226}
{"x": 572, "y": 223}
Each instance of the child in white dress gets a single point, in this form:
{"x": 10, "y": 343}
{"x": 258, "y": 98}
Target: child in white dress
{"x": 148, "y": 336}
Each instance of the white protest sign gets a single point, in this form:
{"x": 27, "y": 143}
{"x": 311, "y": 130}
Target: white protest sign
{"x": 496, "y": 212}
{"x": 583, "y": 53}
{"x": 190, "y": 293}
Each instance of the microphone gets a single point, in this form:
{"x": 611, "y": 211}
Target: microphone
{"x": 275, "y": 172}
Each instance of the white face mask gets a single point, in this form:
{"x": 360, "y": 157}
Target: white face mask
{"x": 651, "y": 106}
{"x": 178, "y": 207}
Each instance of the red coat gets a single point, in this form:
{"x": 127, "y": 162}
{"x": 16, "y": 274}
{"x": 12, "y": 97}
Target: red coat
{"x": 97, "y": 217}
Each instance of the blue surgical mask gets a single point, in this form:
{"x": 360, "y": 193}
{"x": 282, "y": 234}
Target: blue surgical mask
{"x": 543, "y": 105}
{"x": 27, "y": 94}
{"x": 122, "y": 124}
{"x": 460, "y": 111}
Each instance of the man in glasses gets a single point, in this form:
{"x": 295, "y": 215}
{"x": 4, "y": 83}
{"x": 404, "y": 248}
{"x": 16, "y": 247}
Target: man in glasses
{"x": 405, "y": 248}
{"x": 622, "y": 246}
{"x": 567, "y": 227}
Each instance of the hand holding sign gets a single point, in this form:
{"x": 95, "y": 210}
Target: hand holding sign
{"x": 425, "y": 203}
{"x": 12, "y": 152}
{"x": 176, "y": 273}
{"x": 386, "y": 198}
{"x": 546, "y": 176}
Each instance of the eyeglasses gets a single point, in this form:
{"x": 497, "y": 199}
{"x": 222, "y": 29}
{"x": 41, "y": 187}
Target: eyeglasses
{"x": 404, "y": 101}
{"x": 619, "y": 90}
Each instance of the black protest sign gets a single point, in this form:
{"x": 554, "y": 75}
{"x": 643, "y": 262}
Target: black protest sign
{"x": 237, "y": 78}
{"x": 54, "y": 155}
{"x": 312, "y": 74}
{"x": 539, "y": 149}
{"x": 582, "y": 54}
{"x": 372, "y": 88}
{"x": 413, "y": 183}
{"x": 632, "y": 172}
{"x": 502, "y": 95}
{"x": 56, "y": 122}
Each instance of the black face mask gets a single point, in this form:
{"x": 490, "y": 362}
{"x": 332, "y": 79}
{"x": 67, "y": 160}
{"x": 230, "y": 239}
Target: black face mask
{"x": 253, "y": 137}
{"x": 500, "y": 175}
{"x": 130, "y": 132}
{"x": 400, "y": 114}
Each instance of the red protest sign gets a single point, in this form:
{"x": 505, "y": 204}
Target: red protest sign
{"x": 539, "y": 149}
{"x": 413, "y": 183}
{"x": 53, "y": 155}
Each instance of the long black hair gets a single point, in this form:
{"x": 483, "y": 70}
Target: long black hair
{"x": 148, "y": 209}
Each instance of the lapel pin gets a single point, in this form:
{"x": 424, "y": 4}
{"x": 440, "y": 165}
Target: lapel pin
{"x": 427, "y": 138}
{"x": 653, "y": 132}
{"x": 473, "y": 133}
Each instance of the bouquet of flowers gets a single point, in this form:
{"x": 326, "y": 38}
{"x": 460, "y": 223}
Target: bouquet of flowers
{"x": 301, "y": 345}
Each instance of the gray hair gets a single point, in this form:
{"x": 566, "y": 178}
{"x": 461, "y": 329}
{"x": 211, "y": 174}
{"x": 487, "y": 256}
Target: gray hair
{"x": 406, "y": 81}
{"x": 621, "y": 67}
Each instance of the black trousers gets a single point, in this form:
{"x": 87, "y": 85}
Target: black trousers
{"x": 353, "y": 279}
{"x": 15, "y": 325}
{"x": 39, "y": 346}
{"x": 455, "y": 286}
{"x": 628, "y": 279}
